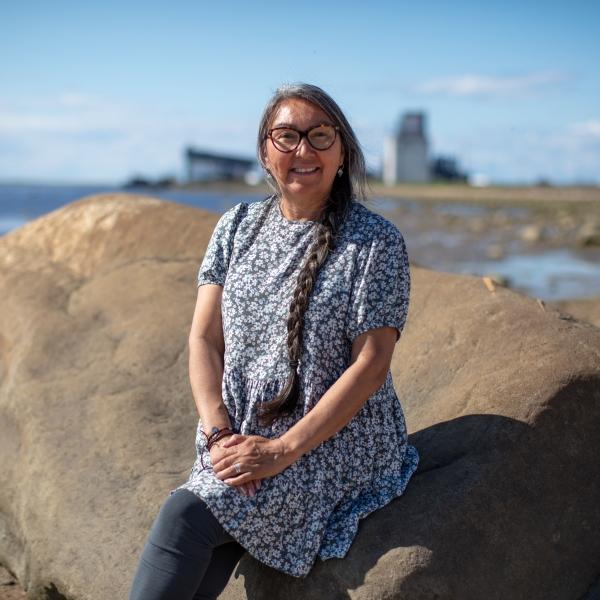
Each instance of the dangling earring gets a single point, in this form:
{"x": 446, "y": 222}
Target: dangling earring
{"x": 340, "y": 171}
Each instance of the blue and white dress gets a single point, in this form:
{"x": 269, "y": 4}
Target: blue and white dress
{"x": 313, "y": 507}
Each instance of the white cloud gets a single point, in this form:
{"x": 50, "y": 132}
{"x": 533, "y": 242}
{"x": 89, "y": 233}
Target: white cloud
{"x": 526, "y": 155}
{"x": 76, "y": 137}
{"x": 76, "y": 99}
{"x": 589, "y": 129}
{"x": 481, "y": 85}
{"x": 20, "y": 123}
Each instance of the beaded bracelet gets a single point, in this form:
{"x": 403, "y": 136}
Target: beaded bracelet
{"x": 215, "y": 435}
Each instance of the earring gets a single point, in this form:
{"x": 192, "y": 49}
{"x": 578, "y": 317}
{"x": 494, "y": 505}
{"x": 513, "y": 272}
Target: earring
{"x": 340, "y": 171}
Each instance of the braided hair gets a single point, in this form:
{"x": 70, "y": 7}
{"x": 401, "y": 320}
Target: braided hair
{"x": 351, "y": 184}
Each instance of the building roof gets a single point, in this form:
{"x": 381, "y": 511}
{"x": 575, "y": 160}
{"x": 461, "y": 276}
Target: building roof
{"x": 193, "y": 154}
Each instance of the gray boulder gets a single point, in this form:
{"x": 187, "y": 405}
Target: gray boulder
{"x": 97, "y": 422}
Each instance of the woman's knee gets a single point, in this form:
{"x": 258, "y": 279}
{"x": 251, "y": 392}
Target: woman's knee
{"x": 183, "y": 504}
{"x": 185, "y": 517}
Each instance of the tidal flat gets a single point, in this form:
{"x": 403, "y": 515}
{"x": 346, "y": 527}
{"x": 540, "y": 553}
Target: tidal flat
{"x": 543, "y": 241}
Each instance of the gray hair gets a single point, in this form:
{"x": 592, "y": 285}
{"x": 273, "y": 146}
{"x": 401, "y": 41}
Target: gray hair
{"x": 355, "y": 172}
{"x": 351, "y": 184}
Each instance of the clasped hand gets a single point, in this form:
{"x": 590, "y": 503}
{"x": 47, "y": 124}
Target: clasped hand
{"x": 257, "y": 456}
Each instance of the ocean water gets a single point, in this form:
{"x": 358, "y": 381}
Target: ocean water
{"x": 22, "y": 203}
{"x": 550, "y": 276}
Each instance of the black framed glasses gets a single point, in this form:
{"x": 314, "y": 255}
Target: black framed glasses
{"x": 287, "y": 139}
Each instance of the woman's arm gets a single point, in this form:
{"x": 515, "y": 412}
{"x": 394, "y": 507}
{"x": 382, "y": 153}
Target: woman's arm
{"x": 261, "y": 457}
{"x": 207, "y": 348}
{"x": 369, "y": 364}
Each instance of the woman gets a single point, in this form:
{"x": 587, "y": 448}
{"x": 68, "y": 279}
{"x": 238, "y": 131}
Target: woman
{"x": 301, "y": 299}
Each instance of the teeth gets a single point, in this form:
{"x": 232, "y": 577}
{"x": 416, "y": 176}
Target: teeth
{"x": 305, "y": 170}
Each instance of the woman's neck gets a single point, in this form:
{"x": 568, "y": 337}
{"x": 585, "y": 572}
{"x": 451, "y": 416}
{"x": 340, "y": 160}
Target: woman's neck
{"x": 301, "y": 210}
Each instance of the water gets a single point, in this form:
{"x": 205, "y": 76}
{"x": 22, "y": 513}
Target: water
{"x": 551, "y": 276}
{"x": 21, "y": 203}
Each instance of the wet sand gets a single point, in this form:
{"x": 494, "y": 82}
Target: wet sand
{"x": 545, "y": 244}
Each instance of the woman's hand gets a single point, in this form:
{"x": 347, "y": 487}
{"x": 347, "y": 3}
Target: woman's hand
{"x": 259, "y": 457}
{"x": 217, "y": 452}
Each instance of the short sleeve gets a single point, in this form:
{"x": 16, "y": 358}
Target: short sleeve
{"x": 381, "y": 286}
{"x": 220, "y": 247}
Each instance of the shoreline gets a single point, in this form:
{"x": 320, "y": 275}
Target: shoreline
{"x": 541, "y": 240}
{"x": 501, "y": 195}
{"x": 554, "y": 196}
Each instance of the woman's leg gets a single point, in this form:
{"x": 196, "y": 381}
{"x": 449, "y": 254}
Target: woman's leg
{"x": 178, "y": 551}
{"x": 219, "y": 570}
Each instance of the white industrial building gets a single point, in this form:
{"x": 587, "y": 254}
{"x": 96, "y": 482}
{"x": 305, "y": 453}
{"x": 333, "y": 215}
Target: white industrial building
{"x": 406, "y": 153}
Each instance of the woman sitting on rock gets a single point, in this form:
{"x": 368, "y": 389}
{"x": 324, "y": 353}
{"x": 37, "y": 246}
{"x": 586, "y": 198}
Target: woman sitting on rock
{"x": 302, "y": 297}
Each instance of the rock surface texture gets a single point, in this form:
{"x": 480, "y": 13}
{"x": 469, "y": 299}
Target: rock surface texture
{"x": 97, "y": 423}
{"x": 583, "y": 309}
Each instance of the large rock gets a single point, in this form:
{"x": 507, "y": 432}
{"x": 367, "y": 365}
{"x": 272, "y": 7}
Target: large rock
{"x": 583, "y": 309}
{"x": 97, "y": 423}
{"x": 96, "y": 415}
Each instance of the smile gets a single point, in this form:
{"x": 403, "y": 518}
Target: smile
{"x": 305, "y": 171}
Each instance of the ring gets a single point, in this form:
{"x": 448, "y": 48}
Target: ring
{"x": 238, "y": 468}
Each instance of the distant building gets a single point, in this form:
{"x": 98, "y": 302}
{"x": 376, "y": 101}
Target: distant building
{"x": 406, "y": 152}
{"x": 207, "y": 166}
{"x": 445, "y": 168}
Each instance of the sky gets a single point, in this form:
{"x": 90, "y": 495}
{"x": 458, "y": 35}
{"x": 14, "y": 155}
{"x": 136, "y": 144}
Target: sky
{"x": 98, "y": 92}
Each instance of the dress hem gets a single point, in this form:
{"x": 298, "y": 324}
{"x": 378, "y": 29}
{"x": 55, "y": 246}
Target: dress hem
{"x": 412, "y": 460}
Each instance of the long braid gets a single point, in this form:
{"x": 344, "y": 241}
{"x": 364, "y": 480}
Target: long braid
{"x": 324, "y": 242}
{"x": 351, "y": 185}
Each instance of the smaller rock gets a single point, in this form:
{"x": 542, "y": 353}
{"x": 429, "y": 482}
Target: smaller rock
{"x": 495, "y": 251}
{"x": 532, "y": 233}
{"x": 589, "y": 234}
{"x": 498, "y": 279}
{"x": 566, "y": 220}
{"x": 477, "y": 224}
{"x": 501, "y": 218}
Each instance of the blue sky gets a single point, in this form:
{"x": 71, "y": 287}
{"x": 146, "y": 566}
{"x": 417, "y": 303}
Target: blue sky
{"x": 98, "y": 92}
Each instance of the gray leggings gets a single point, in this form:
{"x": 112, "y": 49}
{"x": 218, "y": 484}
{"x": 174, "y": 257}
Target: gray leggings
{"x": 188, "y": 554}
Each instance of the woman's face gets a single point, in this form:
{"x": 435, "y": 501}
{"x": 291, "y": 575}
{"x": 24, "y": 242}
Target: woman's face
{"x": 319, "y": 166}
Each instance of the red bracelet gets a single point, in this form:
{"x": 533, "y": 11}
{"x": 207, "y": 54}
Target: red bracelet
{"x": 216, "y": 438}
{"x": 217, "y": 434}
{"x": 212, "y": 439}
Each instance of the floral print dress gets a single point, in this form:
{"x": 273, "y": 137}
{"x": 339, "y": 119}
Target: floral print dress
{"x": 313, "y": 507}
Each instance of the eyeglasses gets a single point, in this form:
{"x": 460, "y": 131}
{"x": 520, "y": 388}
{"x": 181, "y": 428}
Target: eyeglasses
{"x": 287, "y": 139}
